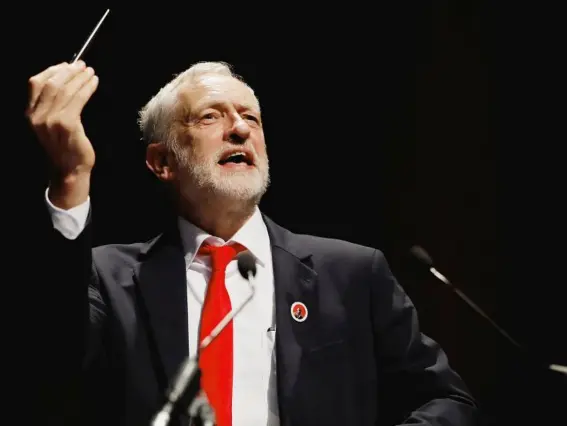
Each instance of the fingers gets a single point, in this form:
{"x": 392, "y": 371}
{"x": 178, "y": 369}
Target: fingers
{"x": 66, "y": 93}
{"x": 89, "y": 85}
{"x": 36, "y": 83}
{"x": 51, "y": 87}
{"x": 57, "y": 98}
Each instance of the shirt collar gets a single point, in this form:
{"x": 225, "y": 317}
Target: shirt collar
{"x": 253, "y": 235}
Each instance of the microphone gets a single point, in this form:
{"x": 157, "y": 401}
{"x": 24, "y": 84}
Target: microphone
{"x": 247, "y": 268}
{"x": 187, "y": 381}
{"x": 423, "y": 257}
{"x": 246, "y": 265}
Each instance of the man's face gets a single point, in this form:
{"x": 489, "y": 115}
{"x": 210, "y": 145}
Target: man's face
{"x": 220, "y": 141}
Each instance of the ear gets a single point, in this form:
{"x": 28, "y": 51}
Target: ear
{"x": 159, "y": 161}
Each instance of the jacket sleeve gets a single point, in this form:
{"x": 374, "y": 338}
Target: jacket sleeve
{"x": 68, "y": 307}
{"x": 417, "y": 384}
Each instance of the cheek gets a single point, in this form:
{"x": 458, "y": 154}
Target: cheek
{"x": 260, "y": 147}
{"x": 208, "y": 144}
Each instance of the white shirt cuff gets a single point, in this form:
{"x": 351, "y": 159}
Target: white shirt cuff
{"x": 70, "y": 223}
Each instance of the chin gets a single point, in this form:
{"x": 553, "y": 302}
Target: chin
{"x": 248, "y": 185}
{"x": 239, "y": 189}
{"x": 240, "y": 186}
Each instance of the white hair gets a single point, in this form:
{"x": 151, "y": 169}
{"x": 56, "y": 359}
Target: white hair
{"x": 156, "y": 117}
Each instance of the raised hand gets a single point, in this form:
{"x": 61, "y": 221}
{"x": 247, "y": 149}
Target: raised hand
{"x": 57, "y": 97}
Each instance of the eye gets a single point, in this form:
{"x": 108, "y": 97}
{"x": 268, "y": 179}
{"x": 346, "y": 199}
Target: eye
{"x": 251, "y": 117}
{"x": 210, "y": 117}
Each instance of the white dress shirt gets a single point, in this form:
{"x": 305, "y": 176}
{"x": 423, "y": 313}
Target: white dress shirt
{"x": 254, "y": 382}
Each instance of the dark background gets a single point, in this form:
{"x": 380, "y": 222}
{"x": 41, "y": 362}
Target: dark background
{"x": 384, "y": 127}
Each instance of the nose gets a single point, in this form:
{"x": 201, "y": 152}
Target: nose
{"x": 239, "y": 131}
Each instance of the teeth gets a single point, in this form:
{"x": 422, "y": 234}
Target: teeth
{"x": 234, "y": 154}
{"x": 234, "y": 157}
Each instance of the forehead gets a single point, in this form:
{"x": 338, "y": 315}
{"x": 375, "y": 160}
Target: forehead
{"x": 216, "y": 89}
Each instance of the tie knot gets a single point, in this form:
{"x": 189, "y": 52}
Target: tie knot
{"x": 221, "y": 255}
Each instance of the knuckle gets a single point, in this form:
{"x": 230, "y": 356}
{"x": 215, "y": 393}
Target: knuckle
{"x": 36, "y": 121}
{"x": 54, "y": 122}
{"x": 60, "y": 123}
{"x": 33, "y": 82}
{"x": 52, "y": 84}
{"x": 50, "y": 123}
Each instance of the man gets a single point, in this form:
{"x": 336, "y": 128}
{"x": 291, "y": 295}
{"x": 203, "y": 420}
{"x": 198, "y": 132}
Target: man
{"x": 329, "y": 337}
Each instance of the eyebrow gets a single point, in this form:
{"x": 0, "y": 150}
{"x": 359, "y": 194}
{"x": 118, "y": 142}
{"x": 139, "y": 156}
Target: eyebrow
{"x": 213, "y": 104}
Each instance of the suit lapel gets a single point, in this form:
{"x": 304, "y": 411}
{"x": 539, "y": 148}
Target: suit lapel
{"x": 162, "y": 293}
{"x": 295, "y": 281}
{"x": 161, "y": 283}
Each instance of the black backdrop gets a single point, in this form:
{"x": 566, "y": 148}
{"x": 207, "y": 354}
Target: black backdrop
{"x": 383, "y": 129}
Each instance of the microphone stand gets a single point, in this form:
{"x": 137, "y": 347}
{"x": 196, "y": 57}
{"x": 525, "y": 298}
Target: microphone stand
{"x": 201, "y": 411}
{"x": 187, "y": 384}
{"x": 421, "y": 255}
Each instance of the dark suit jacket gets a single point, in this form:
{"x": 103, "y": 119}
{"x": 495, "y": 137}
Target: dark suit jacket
{"x": 118, "y": 332}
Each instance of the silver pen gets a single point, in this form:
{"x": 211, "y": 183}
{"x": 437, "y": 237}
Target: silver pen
{"x": 78, "y": 55}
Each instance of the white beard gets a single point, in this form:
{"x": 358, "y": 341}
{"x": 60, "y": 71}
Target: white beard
{"x": 206, "y": 176}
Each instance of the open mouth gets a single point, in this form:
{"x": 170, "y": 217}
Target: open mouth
{"x": 235, "y": 158}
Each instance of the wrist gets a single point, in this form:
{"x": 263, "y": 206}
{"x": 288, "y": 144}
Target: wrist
{"x": 69, "y": 190}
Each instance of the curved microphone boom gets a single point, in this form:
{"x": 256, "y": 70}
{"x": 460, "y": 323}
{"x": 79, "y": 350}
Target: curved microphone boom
{"x": 420, "y": 254}
{"x": 247, "y": 268}
{"x": 424, "y": 257}
{"x": 186, "y": 384}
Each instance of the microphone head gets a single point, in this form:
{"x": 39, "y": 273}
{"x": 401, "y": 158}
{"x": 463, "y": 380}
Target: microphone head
{"x": 246, "y": 264}
{"x": 421, "y": 255}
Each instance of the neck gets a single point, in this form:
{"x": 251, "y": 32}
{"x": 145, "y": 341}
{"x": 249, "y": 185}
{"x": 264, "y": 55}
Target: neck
{"x": 220, "y": 218}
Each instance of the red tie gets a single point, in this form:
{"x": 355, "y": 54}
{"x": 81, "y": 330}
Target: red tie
{"x": 216, "y": 359}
